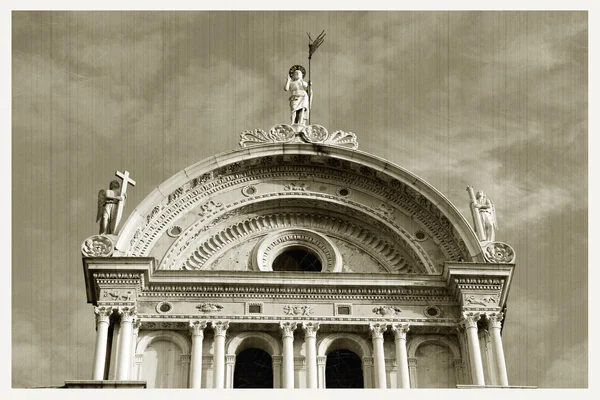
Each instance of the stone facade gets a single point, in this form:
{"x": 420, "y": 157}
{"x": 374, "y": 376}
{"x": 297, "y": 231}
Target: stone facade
{"x": 195, "y": 276}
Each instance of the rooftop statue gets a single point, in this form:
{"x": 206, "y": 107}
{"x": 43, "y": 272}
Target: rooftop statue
{"x": 111, "y": 202}
{"x": 301, "y": 94}
{"x": 484, "y": 216}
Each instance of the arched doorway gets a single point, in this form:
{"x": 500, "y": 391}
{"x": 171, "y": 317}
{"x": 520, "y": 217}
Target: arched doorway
{"x": 253, "y": 370}
{"x": 435, "y": 367}
{"x": 162, "y": 367}
{"x": 343, "y": 370}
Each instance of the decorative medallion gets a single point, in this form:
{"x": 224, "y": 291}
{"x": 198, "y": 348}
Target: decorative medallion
{"x": 344, "y": 192}
{"x": 315, "y": 134}
{"x": 249, "y": 190}
{"x": 164, "y": 307}
{"x": 298, "y": 310}
{"x": 498, "y": 252}
{"x": 209, "y": 307}
{"x": 420, "y": 236}
{"x": 97, "y": 246}
{"x": 174, "y": 231}
{"x": 432, "y": 312}
{"x": 387, "y": 311}
{"x": 282, "y": 133}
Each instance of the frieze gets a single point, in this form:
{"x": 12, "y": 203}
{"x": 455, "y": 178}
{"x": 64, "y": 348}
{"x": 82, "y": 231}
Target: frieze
{"x": 292, "y": 186}
{"x": 298, "y": 310}
{"x": 209, "y": 308}
{"x": 117, "y": 295}
{"x": 447, "y": 240}
{"x": 209, "y": 206}
{"x": 387, "y": 311}
{"x": 486, "y": 301}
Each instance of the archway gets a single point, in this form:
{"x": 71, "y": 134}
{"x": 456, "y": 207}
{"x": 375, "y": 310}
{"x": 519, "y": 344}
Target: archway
{"x": 162, "y": 366}
{"x": 435, "y": 366}
{"x": 343, "y": 370}
{"x": 253, "y": 370}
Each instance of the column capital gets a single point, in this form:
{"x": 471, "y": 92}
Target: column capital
{"x": 469, "y": 319}
{"x": 310, "y": 329}
{"x": 229, "y": 358}
{"x": 103, "y": 313}
{"x": 287, "y": 328}
{"x": 412, "y": 362}
{"x": 277, "y": 360}
{"x": 127, "y": 314}
{"x": 197, "y": 327}
{"x": 367, "y": 361}
{"x": 400, "y": 330}
{"x": 220, "y": 327}
{"x": 137, "y": 323}
{"x": 321, "y": 360}
{"x": 377, "y": 329}
{"x": 494, "y": 319}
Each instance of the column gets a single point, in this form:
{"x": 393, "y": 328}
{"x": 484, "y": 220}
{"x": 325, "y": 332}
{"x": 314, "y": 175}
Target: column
{"x": 102, "y": 323}
{"x": 229, "y": 364}
{"x": 310, "y": 341}
{"x": 220, "y": 330}
{"x": 287, "y": 334}
{"x": 277, "y": 361}
{"x": 400, "y": 331}
{"x": 377, "y": 330}
{"x": 494, "y": 321}
{"x": 367, "y": 364}
{"x": 124, "y": 358}
{"x": 469, "y": 320}
{"x": 197, "y": 332}
{"x": 133, "y": 367}
{"x": 412, "y": 367}
{"x": 321, "y": 364}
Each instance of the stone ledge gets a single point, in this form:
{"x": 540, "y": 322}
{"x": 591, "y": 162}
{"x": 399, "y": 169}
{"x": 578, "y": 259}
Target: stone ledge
{"x": 90, "y": 384}
{"x": 494, "y": 387}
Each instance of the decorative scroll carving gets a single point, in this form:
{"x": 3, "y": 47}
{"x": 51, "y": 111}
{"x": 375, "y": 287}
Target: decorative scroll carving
{"x": 494, "y": 320}
{"x": 310, "y": 329}
{"x": 209, "y": 206}
{"x": 498, "y": 252}
{"x": 220, "y": 327}
{"x": 469, "y": 320}
{"x": 209, "y": 308}
{"x": 257, "y": 136}
{"x": 400, "y": 330}
{"x": 117, "y": 295}
{"x": 297, "y": 310}
{"x": 387, "y": 311}
{"x": 287, "y": 328}
{"x": 296, "y": 186}
{"x": 342, "y": 139}
{"x": 377, "y": 329}
{"x": 127, "y": 314}
{"x": 97, "y": 246}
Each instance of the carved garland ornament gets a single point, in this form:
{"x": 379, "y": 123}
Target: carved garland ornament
{"x": 387, "y": 311}
{"x": 209, "y": 308}
{"x": 297, "y": 310}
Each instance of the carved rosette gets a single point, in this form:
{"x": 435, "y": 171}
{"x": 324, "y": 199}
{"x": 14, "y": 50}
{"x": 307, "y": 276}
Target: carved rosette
{"x": 282, "y": 133}
{"x": 287, "y": 328}
{"x": 98, "y": 246}
{"x": 400, "y": 330}
{"x": 103, "y": 314}
{"x": 315, "y": 134}
{"x": 494, "y": 320}
{"x": 377, "y": 330}
{"x": 220, "y": 327}
{"x": 498, "y": 252}
{"x": 197, "y": 328}
{"x": 387, "y": 311}
{"x": 469, "y": 320}
{"x": 310, "y": 329}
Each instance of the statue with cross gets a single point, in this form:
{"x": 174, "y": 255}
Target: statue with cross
{"x": 111, "y": 203}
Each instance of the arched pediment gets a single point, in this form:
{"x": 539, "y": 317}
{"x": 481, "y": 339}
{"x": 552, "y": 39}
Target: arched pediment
{"x": 379, "y": 208}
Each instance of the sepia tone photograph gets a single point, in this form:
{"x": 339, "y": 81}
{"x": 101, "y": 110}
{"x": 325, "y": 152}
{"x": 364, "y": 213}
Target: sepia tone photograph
{"x": 299, "y": 199}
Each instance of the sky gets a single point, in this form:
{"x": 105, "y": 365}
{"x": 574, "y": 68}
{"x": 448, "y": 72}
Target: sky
{"x": 497, "y": 100}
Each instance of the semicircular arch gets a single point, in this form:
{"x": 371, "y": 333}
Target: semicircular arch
{"x": 258, "y": 340}
{"x": 346, "y": 341}
{"x": 171, "y": 336}
{"x": 416, "y": 342}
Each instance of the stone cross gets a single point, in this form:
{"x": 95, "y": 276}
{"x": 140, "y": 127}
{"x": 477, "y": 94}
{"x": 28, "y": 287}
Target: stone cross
{"x": 126, "y": 181}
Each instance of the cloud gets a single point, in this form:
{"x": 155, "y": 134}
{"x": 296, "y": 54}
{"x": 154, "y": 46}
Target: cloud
{"x": 570, "y": 369}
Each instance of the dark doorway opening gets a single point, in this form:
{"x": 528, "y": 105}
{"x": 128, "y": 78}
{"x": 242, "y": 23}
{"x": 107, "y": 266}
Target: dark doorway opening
{"x": 343, "y": 370}
{"x": 253, "y": 370}
{"x": 297, "y": 260}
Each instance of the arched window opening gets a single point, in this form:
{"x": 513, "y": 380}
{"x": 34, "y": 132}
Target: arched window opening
{"x": 297, "y": 260}
{"x": 435, "y": 366}
{"x": 162, "y": 367}
{"x": 343, "y": 370}
{"x": 253, "y": 370}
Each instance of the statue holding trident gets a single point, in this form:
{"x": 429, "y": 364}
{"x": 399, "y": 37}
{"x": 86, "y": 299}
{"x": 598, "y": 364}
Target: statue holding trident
{"x": 111, "y": 203}
{"x": 301, "y": 98}
{"x": 484, "y": 215}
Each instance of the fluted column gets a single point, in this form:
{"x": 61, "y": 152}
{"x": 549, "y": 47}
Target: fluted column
{"x": 127, "y": 316}
{"x": 220, "y": 330}
{"x": 287, "y": 334}
{"x": 197, "y": 332}
{"x": 469, "y": 320}
{"x": 310, "y": 340}
{"x": 377, "y": 330}
{"x": 400, "y": 331}
{"x": 494, "y": 321}
{"x": 102, "y": 323}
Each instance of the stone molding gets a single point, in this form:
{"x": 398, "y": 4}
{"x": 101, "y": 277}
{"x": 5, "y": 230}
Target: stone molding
{"x": 206, "y": 186}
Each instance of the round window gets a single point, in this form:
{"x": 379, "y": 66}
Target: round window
{"x": 297, "y": 260}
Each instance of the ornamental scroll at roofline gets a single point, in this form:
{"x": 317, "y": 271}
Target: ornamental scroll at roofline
{"x": 399, "y": 205}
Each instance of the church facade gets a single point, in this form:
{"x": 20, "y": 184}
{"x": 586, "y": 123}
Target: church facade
{"x": 298, "y": 261}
